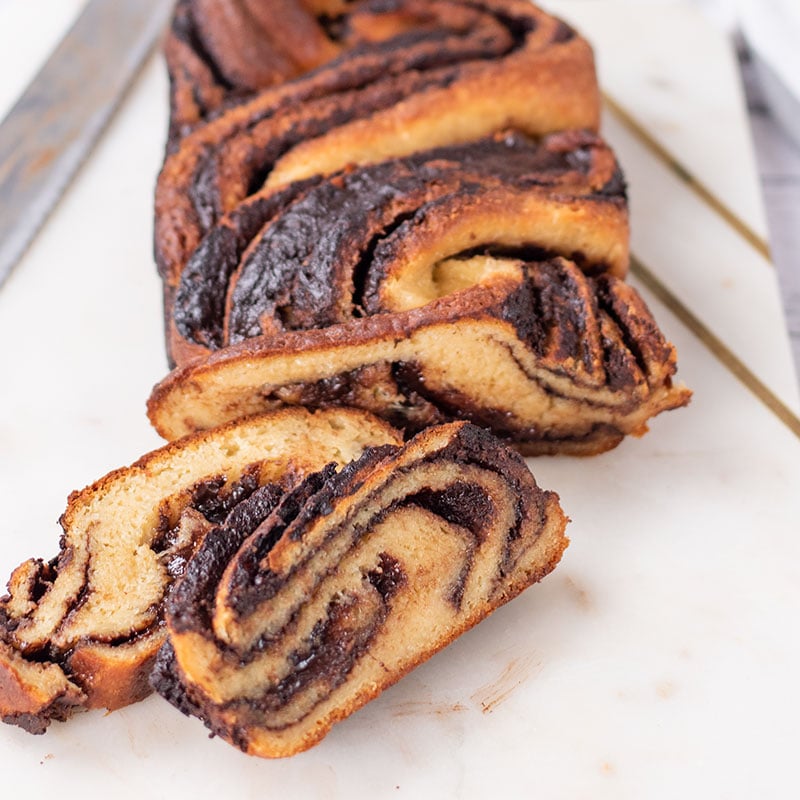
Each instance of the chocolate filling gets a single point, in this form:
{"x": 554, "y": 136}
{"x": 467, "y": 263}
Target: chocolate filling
{"x": 335, "y": 646}
{"x": 309, "y": 269}
{"x": 463, "y": 504}
{"x": 191, "y": 600}
{"x": 199, "y": 305}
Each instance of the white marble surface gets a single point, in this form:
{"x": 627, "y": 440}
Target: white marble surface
{"x": 658, "y": 661}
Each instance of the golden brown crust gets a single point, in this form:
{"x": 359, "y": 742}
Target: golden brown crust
{"x": 82, "y": 630}
{"x": 279, "y": 630}
{"x": 116, "y": 674}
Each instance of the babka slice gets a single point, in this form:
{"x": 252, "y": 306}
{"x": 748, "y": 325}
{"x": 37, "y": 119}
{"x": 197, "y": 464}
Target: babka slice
{"x": 550, "y": 359}
{"x": 82, "y": 630}
{"x": 288, "y": 620}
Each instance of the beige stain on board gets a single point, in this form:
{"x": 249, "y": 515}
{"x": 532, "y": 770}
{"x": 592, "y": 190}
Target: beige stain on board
{"x": 665, "y": 689}
{"x": 486, "y": 697}
{"x": 515, "y": 673}
{"x": 578, "y": 594}
{"x": 414, "y": 707}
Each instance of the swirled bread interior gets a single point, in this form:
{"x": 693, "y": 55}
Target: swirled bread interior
{"x": 303, "y": 606}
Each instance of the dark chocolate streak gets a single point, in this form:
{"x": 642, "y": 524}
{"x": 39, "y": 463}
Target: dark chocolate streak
{"x": 214, "y": 500}
{"x": 326, "y": 659}
{"x": 74, "y": 603}
{"x": 191, "y": 601}
{"x": 252, "y": 582}
{"x": 184, "y": 29}
{"x": 468, "y": 506}
{"x": 213, "y": 497}
{"x": 625, "y": 317}
{"x": 477, "y": 446}
{"x": 387, "y": 577}
{"x": 464, "y": 504}
{"x": 567, "y": 307}
{"x": 199, "y": 304}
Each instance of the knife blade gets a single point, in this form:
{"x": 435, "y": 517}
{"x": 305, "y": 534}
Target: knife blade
{"x": 61, "y": 115}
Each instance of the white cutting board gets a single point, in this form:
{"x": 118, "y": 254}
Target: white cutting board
{"x": 659, "y": 660}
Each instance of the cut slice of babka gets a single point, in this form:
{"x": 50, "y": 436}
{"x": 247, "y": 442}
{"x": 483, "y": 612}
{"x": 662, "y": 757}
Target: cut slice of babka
{"x": 82, "y": 630}
{"x": 297, "y": 610}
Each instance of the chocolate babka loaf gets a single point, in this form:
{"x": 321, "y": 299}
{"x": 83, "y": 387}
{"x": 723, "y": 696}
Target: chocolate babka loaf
{"x": 82, "y": 630}
{"x": 392, "y": 215}
{"x": 303, "y": 606}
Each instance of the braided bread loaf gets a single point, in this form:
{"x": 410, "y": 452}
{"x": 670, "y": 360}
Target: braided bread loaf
{"x": 82, "y": 630}
{"x": 355, "y": 221}
{"x": 300, "y": 608}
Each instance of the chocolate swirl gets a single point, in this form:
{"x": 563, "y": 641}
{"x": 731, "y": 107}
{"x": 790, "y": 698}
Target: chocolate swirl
{"x": 287, "y": 624}
{"x": 282, "y": 261}
{"x": 82, "y": 630}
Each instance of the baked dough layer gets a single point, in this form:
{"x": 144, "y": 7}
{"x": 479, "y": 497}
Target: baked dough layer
{"x": 547, "y": 357}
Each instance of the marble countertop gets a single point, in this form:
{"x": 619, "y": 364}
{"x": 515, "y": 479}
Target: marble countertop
{"x": 659, "y": 660}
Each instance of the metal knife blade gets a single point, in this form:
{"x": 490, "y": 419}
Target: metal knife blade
{"x": 60, "y": 116}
